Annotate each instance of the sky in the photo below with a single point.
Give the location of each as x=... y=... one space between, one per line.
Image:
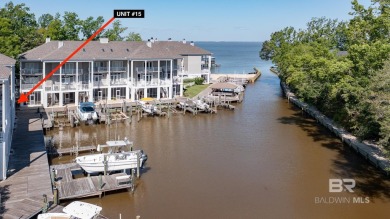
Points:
x=203 y=20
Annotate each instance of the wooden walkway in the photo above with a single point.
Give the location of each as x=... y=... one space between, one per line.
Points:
x=71 y=188
x=72 y=150
x=28 y=175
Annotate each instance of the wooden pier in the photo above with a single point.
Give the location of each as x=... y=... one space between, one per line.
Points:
x=73 y=150
x=69 y=187
x=28 y=169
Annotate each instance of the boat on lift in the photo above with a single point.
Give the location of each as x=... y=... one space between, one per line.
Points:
x=117 y=158
x=87 y=113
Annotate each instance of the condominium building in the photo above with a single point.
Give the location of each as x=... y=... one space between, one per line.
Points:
x=110 y=70
x=7 y=107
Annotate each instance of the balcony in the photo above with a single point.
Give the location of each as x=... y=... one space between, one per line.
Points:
x=57 y=86
x=102 y=82
x=29 y=86
x=118 y=69
x=151 y=83
x=72 y=71
x=118 y=81
x=100 y=69
x=141 y=70
x=31 y=71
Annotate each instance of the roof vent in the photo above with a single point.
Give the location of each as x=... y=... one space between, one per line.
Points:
x=127 y=50
x=149 y=44
x=103 y=50
x=169 y=39
x=103 y=40
x=83 y=49
x=184 y=41
x=60 y=44
x=47 y=39
x=192 y=43
x=152 y=39
x=112 y=50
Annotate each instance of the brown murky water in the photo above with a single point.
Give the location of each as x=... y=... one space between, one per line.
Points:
x=264 y=160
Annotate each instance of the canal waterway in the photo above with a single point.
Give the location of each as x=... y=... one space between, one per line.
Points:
x=266 y=159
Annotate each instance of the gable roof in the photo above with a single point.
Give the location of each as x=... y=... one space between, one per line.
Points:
x=95 y=50
x=5 y=63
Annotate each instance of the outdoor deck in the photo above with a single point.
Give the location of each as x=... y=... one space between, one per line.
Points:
x=28 y=175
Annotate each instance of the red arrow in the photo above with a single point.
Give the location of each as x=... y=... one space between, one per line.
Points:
x=24 y=97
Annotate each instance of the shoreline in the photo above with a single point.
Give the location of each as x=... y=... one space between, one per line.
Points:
x=370 y=152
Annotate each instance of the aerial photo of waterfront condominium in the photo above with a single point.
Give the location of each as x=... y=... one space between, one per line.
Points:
x=111 y=70
x=7 y=107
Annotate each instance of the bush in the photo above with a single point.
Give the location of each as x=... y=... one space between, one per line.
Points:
x=188 y=80
x=199 y=80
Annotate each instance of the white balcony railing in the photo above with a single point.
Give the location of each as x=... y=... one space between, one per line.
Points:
x=66 y=87
x=118 y=69
x=29 y=86
x=151 y=83
x=141 y=70
x=100 y=69
x=31 y=71
x=72 y=71
x=119 y=81
x=102 y=82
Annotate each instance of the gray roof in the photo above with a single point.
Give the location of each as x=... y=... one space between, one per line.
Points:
x=95 y=50
x=223 y=85
x=5 y=62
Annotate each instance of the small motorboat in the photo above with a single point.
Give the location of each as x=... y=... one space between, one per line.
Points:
x=201 y=105
x=114 y=160
x=76 y=209
x=147 y=107
x=86 y=112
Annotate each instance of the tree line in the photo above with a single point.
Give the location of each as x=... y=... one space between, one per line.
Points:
x=341 y=67
x=20 y=31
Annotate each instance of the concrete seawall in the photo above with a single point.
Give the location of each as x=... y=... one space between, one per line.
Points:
x=371 y=152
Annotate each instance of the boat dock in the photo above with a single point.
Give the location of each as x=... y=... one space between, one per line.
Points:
x=68 y=186
x=75 y=150
x=28 y=169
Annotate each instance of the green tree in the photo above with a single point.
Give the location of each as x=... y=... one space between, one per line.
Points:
x=114 y=33
x=9 y=42
x=351 y=88
x=44 y=20
x=72 y=26
x=23 y=24
x=132 y=36
x=55 y=30
x=89 y=26
x=378 y=98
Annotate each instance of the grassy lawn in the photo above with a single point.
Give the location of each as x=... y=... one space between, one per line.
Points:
x=194 y=90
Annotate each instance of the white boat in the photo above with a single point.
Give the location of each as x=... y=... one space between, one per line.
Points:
x=86 y=112
x=147 y=107
x=201 y=105
x=114 y=160
x=76 y=209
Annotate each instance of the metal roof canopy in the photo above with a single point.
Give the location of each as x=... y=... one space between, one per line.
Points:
x=223 y=85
